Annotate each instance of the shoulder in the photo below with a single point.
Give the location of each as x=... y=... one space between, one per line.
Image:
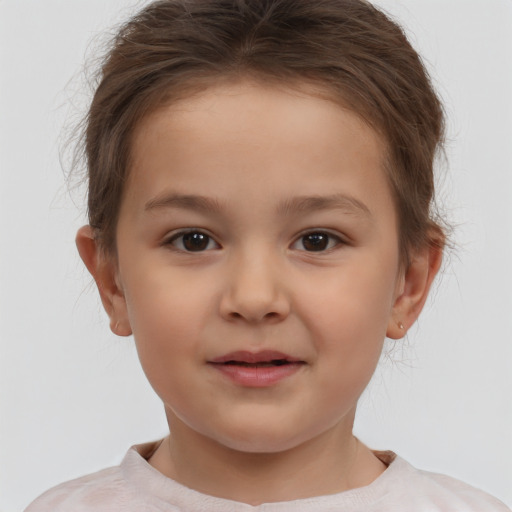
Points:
x=98 y=491
x=467 y=497
x=437 y=492
x=124 y=487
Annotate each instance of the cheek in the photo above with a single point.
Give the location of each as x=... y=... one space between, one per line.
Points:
x=162 y=296
x=354 y=304
x=348 y=316
x=167 y=318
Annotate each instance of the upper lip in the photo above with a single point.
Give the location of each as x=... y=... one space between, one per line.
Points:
x=263 y=356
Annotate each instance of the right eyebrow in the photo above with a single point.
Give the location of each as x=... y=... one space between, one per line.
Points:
x=183 y=201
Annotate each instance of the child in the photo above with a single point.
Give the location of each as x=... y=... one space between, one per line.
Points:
x=260 y=219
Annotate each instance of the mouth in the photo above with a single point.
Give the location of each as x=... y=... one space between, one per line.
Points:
x=263 y=364
x=266 y=358
x=257 y=370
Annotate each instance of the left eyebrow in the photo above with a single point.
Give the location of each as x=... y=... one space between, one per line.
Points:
x=348 y=204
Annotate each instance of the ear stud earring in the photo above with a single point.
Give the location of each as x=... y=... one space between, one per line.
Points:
x=400 y=326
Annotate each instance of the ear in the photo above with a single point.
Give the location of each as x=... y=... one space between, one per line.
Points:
x=413 y=288
x=103 y=269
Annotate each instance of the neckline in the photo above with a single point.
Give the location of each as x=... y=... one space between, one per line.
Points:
x=159 y=489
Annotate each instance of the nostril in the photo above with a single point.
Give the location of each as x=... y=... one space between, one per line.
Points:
x=252 y=305
x=268 y=316
x=250 y=316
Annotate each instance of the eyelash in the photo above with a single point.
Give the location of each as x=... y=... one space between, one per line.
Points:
x=178 y=240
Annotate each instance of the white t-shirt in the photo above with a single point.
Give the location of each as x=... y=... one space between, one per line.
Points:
x=135 y=486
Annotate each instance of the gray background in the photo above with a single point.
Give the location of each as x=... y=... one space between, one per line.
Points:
x=72 y=396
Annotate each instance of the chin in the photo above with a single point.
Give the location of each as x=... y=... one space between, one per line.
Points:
x=263 y=440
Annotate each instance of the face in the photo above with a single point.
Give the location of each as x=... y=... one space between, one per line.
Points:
x=258 y=263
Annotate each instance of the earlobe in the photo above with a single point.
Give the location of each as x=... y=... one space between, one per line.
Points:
x=103 y=269
x=414 y=289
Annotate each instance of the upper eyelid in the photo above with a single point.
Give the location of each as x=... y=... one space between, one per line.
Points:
x=332 y=233
x=176 y=233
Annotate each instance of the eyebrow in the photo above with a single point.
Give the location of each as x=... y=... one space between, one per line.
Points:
x=184 y=201
x=295 y=205
x=348 y=204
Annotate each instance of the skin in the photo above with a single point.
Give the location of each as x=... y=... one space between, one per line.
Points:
x=253 y=153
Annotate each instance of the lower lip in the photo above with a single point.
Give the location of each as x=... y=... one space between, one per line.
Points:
x=258 y=376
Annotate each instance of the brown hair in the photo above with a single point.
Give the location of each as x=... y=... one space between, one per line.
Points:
x=174 y=48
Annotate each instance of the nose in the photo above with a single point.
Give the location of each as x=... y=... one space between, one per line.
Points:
x=255 y=291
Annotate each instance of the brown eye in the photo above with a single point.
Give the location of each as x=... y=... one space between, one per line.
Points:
x=316 y=242
x=193 y=241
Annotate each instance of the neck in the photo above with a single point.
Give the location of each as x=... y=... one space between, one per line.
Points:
x=331 y=463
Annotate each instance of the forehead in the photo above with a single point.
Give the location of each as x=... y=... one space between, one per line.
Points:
x=246 y=139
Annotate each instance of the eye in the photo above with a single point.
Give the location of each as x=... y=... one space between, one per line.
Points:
x=192 y=241
x=316 y=241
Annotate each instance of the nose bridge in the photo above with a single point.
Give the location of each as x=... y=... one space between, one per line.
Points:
x=255 y=289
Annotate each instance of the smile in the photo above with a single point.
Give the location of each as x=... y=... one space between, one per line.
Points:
x=257 y=370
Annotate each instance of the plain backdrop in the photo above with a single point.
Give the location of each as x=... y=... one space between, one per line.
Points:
x=73 y=397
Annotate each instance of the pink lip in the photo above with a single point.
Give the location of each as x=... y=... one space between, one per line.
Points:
x=274 y=366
